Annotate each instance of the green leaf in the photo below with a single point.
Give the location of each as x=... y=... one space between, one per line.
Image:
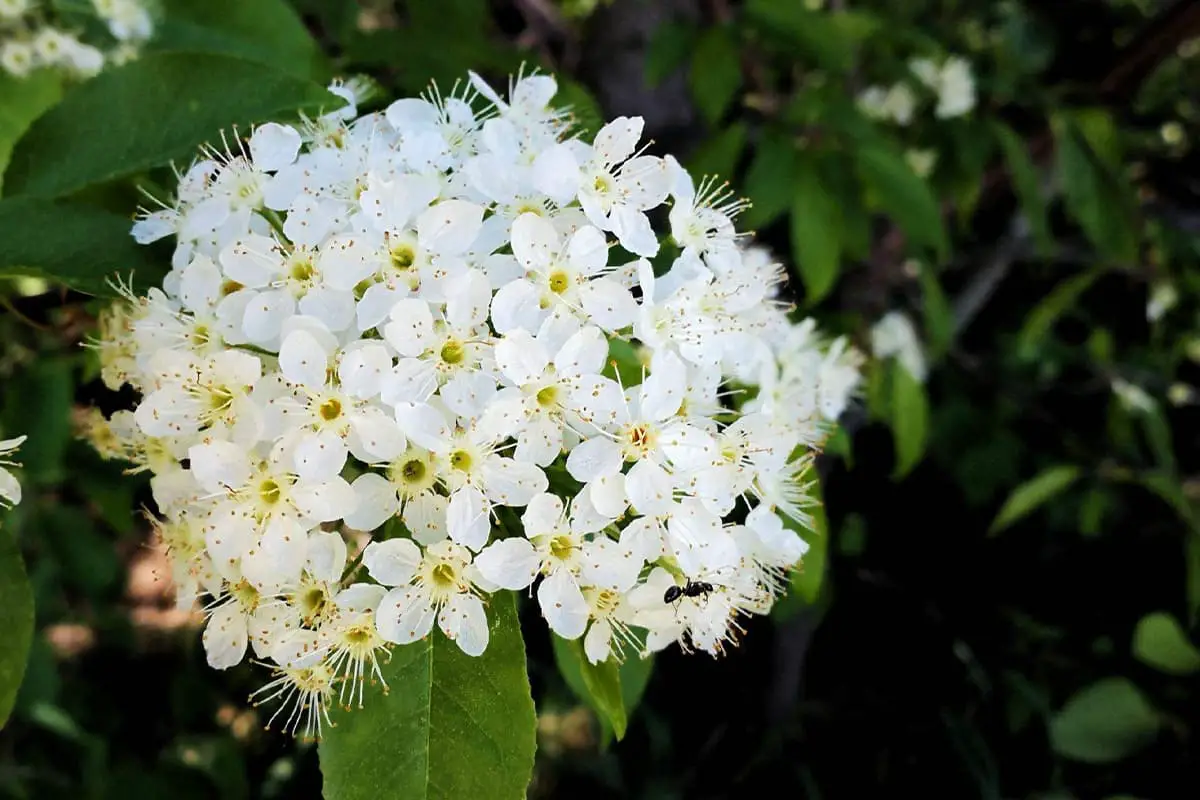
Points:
x=1028 y=185
x=1160 y=642
x=904 y=197
x=910 y=419
x=585 y=111
x=16 y=620
x=815 y=243
x=451 y=726
x=769 y=179
x=148 y=112
x=939 y=318
x=268 y=31
x=808 y=579
x=88 y=245
x=598 y=685
x=39 y=404
x=829 y=38
x=1041 y=319
x=668 y=51
x=1033 y=493
x=716 y=73
x=22 y=100
x=1104 y=722
x=719 y=155
x=1097 y=197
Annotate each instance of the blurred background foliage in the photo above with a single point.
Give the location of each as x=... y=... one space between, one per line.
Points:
x=1005 y=599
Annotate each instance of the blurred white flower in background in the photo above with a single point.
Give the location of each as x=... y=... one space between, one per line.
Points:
x=895 y=337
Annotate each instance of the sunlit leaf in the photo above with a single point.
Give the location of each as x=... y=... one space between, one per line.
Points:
x=1033 y=493
x=1158 y=640
x=1105 y=722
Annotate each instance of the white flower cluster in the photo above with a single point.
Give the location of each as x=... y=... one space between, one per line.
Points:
x=951 y=82
x=404 y=322
x=30 y=39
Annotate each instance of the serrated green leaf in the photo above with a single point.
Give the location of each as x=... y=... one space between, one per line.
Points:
x=451 y=726
x=816 y=246
x=769 y=179
x=1033 y=493
x=1028 y=185
x=22 y=100
x=87 y=247
x=268 y=31
x=600 y=683
x=149 y=112
x=910 y=419
x=1041 y=319
x=16 y=620
x=1104 y=722
x=1158 y=640
x=904 y=197
x=716 y=72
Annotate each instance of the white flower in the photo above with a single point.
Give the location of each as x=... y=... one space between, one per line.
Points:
x=894 y=336
x=953 y=83
x=10 y=488
x=438 y=582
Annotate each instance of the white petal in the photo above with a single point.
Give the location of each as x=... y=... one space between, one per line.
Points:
x=539 y=443
x=650 y=488
x=362 y=370
x=359 y=598
x=393 y=562
x=563 y=605
x=521 y=357
x=542 y=514
x=326 y=555
x=534 y=241
x=633 y=230
x=663 y=391
x=375 y=437
x=467 y=520
x=450 y=227
x=265 y=316
x=509 y=563
x=464 y=622
x=617 y=140
x=582 y=354
x=594 y=458
x=468 y=394
x=411 y=328
x=608 y=303
x=515 y=306
x=556 y=173
x=376 y=502
x=319 y=457
x=273 y=146
x=333 y=307
x=468 y=298
x=405 y=615
x=325 y=502
x=412 y=380
x=218 y=465
x=346 y=260
x=425 y=517
x=279 y=556
x=596 y=643
x=610 y=565
x=423 y=424
x=512 y=483
x=608 y=495
x=225 y=637
x=10 y=487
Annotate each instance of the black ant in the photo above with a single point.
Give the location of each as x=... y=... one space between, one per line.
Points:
x=690 y=589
